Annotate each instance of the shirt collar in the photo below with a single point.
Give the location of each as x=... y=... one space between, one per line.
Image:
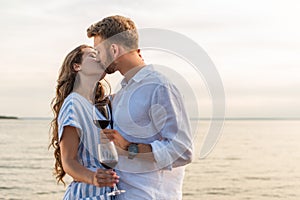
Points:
x=140 y=75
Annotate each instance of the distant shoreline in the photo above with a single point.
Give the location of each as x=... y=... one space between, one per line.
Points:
x=247 y=118
x=8 y=117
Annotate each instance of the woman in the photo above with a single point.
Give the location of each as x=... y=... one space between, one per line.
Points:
x=74 y=137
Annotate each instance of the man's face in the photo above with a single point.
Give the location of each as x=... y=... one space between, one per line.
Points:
x=104 y=55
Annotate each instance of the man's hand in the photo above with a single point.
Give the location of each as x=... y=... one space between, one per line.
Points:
x=117 y=138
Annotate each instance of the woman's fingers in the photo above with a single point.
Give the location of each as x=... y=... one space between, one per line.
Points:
x=106 y=177
x=109 y=173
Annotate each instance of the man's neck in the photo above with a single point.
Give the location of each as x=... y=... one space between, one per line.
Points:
x=129 y=74
x=130 y=65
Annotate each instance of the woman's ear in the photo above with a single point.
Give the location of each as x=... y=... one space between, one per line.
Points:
x=76 y=67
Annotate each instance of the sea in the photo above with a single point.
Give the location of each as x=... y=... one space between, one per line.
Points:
x=253 y=159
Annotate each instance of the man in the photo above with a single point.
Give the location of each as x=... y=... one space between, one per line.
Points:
x=151 y=127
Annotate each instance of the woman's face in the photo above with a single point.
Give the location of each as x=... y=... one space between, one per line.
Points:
x=89 y=65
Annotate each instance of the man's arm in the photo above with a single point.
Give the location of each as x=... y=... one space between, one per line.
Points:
x=175 y=147
x=171 y=121
x=144 y=150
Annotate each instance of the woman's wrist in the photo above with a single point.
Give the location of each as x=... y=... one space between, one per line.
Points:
x=93 y=179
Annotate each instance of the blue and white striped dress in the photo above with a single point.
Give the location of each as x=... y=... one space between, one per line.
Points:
x=77 y=111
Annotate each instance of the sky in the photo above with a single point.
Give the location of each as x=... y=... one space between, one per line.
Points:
x=255 y=46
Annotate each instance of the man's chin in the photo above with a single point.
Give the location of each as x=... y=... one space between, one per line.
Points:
x=110 y=70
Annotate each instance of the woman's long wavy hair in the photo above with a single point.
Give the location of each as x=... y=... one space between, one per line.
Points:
x=65 y=83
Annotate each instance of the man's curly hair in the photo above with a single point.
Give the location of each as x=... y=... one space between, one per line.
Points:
x=122 y=28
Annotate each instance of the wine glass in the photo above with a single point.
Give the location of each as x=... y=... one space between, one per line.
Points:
x=101 y=120
x=108 y=157
x=107 y=151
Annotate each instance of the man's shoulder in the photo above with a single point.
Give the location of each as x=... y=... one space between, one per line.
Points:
x=155 y=75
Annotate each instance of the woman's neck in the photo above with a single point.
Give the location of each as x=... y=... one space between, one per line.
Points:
x=85 y=86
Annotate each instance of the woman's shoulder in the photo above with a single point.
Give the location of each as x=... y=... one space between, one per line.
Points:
x=71 y=102
x=73 y=96
x=76 y=98
x=72 y=106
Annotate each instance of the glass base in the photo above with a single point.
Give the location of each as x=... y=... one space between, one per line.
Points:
x=115 y=192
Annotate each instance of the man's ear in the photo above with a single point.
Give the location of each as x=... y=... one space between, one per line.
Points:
x=76 y=67
x=140 y=55
x=115 y=50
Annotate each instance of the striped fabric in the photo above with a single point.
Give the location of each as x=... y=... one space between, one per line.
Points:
x=77 y=111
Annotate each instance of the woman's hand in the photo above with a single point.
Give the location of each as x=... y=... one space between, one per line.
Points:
x=105 y=177
x=69 y=145
x=116 y=137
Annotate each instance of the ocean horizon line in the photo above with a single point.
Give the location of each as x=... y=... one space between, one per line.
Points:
x=192 y=118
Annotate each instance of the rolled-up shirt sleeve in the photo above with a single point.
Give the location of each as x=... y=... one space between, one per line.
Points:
x=172 y=123
x=69 y=115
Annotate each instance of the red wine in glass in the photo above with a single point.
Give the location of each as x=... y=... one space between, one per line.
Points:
x=101 y=123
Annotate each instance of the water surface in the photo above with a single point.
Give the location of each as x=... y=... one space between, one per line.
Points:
x=254 y=159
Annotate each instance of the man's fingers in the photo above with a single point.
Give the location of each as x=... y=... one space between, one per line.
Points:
x=109 y=133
